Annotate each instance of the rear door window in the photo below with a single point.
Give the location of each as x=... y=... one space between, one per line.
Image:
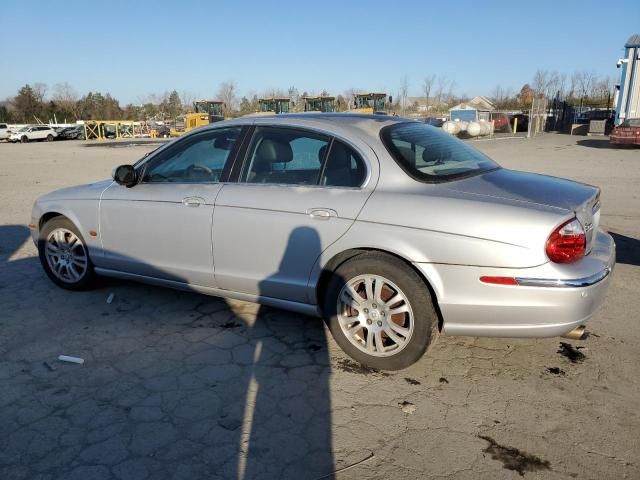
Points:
x=285 y=156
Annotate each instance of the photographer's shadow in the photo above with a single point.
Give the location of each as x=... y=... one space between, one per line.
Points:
x=286 y=424
x=254 y=399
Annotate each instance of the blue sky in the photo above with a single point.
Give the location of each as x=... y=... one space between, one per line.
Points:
x=132 y=49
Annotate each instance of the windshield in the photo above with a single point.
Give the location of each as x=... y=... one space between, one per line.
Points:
x=24 y=129
x=430 y=155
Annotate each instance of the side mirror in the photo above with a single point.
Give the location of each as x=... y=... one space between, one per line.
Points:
x=125 y=175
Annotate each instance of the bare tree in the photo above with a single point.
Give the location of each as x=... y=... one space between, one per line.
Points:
x=40 y=90
x=427 y=86
x=562 y=85
x=403 y=93
x=540 y=82
x=297 y=104
x=275 y=92
x=552 y=86
x=227 y=94
x=583 y=82
x=601 y=89
x=348 y=96
x=66 y=97
x=444 y=89
x=188 y=99
x=503 y=98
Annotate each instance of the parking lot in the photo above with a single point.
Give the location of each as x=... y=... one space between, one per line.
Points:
x=180 y=385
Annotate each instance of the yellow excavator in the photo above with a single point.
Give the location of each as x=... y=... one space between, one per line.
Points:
x=320 y=104
x=369 y=103
x=273 y=105
x=205 y=112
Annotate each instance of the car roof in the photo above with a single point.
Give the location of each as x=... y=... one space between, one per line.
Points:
x=345 y=123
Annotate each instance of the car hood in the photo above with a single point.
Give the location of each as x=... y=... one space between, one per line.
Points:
x=89 y=191
x=526 y=187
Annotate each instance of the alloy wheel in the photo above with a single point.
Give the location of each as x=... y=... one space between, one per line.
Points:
x=375 y=315
x=66 y=255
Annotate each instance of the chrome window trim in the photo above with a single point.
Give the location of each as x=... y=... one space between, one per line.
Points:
x=565 y=283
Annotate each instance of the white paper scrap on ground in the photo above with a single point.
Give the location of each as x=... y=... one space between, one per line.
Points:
x=110 y=298
x=66 y=358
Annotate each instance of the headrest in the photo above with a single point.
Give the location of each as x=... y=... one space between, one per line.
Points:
x=408 y=154
x=223 y=143
x=274 y=151
x=321 y=153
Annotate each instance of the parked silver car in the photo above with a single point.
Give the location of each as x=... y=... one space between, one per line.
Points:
x=390 y=229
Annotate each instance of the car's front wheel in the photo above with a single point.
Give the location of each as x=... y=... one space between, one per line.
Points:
x=24 y=139
x=64 y=255
x=49 y=138
x=380 y=311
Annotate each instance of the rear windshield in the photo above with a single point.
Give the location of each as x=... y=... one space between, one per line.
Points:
x=631 y=122
x=428 y=154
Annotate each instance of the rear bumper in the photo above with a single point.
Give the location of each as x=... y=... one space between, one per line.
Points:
x=634 y=140
x=549 y=300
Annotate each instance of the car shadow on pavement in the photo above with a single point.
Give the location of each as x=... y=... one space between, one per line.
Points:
x=627 y=249
x=12 y=237
x=602 y=142
x=174 y=385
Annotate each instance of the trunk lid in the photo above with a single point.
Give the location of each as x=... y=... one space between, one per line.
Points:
x=511 y=185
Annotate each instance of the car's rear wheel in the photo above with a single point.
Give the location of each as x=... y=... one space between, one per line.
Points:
x=64 y=255
x=49 y=138
x=24 y=139
x=380 y=311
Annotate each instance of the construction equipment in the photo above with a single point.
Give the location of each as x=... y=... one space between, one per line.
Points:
x=211 y=107
x=369 y=103
x=205 y=112
x=322 y=103
x=273 y=105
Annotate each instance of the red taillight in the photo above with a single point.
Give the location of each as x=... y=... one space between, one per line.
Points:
x=567 y=243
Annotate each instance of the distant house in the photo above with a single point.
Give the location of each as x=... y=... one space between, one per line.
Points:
x=478 y=108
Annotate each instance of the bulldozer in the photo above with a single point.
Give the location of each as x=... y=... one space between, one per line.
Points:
x=273 y=105
x=320 y=104
x=369 y=103
x=205 y=112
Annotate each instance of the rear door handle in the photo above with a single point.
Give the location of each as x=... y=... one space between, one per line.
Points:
x=322 y=213
x=192 y=201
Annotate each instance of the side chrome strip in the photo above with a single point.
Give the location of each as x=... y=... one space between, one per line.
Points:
x=565 y=283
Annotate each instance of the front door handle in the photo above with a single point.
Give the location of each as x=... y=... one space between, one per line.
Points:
x=192 y=201
x=322 y=213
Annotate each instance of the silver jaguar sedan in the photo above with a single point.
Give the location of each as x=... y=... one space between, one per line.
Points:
x=391 y=230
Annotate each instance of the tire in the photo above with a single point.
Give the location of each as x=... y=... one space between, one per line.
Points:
x=49 y=138
x=403 y=336
x=67 y=263
x=24 y=139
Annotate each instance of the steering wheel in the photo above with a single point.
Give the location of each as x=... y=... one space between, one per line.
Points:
x=198 y=170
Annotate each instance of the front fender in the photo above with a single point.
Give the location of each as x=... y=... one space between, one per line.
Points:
x=82 y=213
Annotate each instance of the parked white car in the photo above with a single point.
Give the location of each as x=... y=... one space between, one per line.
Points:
x=33 y=132
x=4 y=131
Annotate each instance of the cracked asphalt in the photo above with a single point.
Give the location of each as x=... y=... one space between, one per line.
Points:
x=180 y=385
